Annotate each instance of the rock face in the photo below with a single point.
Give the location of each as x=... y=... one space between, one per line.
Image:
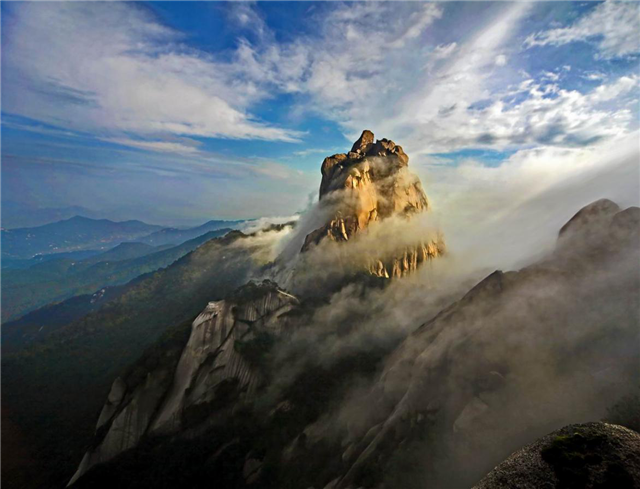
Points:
x=220 y=363
x=369 y=184
x=589 y=456
x=223 y=351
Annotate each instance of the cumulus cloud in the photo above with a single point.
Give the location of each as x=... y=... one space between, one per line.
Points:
x=611 y=26
x=113 y=69
x=117 y=69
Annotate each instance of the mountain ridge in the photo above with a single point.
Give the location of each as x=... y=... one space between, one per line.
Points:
x=398 y=411
x=58 y=280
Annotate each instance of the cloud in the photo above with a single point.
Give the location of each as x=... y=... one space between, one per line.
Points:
x=594 y=76
x=453 y=96
x=158 y=146
x=276 y=171
x=113 y=69
x=548 y=115
x=117 y=71
x=611 y=26
x=357 y=51
x=443 y=51
x=313 y=151
x=499 y=216
x=417 y=95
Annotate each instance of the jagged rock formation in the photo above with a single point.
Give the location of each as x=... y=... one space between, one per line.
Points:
x=219 y=353
x=220 y=362
x=589 y=456
x=372 y=183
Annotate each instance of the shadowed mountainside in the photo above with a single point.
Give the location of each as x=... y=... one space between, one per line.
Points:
x=54 y=387
x=521 y=353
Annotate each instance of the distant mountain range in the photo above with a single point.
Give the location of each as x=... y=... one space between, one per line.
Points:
x=20 y=215
x=174 y=235
x=74 y=234
x=57 y=280
x=79 y=236
x=349 y=350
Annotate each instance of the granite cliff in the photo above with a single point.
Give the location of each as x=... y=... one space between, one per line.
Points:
x=218 y=366
x=519 y=355
x=265 y=389
x=367 y=185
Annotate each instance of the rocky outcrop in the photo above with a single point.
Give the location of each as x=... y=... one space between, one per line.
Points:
x=369 y=184
x=129 y=421
x=220 y=364
x=223 y=352
x=589 y=456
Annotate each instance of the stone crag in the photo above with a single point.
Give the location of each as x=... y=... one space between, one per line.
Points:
x=219 y=363
x=369 y=184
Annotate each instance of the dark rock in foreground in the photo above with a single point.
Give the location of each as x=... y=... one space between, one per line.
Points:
x=585 y=456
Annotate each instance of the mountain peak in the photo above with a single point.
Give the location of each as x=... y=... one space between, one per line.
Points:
x=370 y=184
x=366 y=147
x=365 y=139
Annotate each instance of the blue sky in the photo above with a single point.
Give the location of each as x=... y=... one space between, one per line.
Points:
x=181 y=112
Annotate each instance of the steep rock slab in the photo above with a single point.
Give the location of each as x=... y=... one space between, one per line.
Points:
x=221 y=362
x=213 y=358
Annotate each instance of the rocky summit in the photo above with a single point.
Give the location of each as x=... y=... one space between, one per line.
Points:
x=369 y=184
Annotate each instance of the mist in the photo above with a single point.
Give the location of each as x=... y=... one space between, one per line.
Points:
x=473 y=375
x=504 y=217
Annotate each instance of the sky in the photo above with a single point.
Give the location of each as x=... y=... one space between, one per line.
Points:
x=180 y=112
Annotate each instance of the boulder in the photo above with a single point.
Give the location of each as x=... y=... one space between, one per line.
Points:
x=588 y=456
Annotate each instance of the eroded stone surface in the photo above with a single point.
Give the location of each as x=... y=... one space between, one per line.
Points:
x=370 y=184
x=213 y=369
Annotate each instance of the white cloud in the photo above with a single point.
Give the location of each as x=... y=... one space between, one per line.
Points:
x=594 y=76
x=526 y=199
x=619 y=88
x=112 y=69
x=613 y=26
x=443 y=51
x=547 y=116
x=367 y=65
x=455 y=104
x=359 y=51
x=158 y=146
x=369 y=69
